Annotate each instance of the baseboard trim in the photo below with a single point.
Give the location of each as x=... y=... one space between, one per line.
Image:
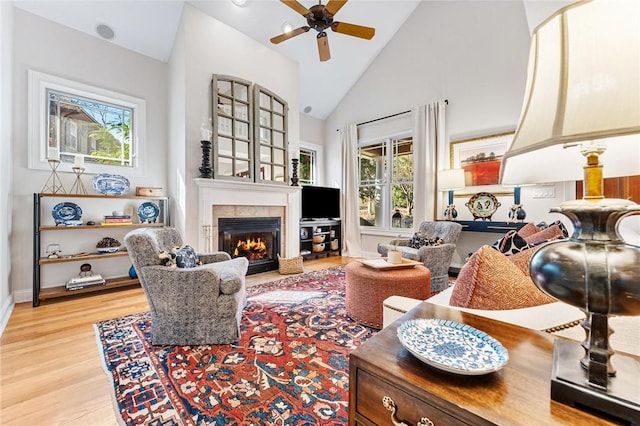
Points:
x=7 y=309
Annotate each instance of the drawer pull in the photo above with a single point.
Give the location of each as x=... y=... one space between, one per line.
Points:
x=390 y=405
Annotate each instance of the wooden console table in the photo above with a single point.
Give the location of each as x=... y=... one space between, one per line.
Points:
x=518 y=394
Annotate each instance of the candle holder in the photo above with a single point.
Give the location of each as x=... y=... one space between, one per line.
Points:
x=516 y=212
x=206 y=171
x=78 y=185
x=53 y=185
x=294 y=171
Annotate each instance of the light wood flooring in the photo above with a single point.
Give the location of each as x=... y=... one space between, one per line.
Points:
x=50 y=367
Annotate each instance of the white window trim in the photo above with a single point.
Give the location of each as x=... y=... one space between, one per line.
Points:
x=39 y=83
x=319 y=181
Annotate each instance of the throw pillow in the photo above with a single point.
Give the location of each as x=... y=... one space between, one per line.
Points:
x=528 y=229
x=489 y=280
x=182 y=257
x=511 y=243
x=418 y=240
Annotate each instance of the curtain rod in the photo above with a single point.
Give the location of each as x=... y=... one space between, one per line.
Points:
x=446 y=101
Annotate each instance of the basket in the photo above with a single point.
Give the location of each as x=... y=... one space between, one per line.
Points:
x=289 y=265
x=318 y=238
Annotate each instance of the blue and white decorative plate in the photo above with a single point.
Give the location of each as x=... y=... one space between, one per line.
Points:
x=108 y=184
x=148 y=212
x=63 y=212
x=453 y=347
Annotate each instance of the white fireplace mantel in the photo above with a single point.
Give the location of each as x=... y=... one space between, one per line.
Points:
x=216 y=192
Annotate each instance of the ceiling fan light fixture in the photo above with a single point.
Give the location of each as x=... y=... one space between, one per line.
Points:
x=239 y=3
x=286 y=27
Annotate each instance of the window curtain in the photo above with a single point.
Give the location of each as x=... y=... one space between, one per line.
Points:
x=429 y=136
x=351 y=245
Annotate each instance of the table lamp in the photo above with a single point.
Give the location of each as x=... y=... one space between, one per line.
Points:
x=450 y=180
x=583 y=97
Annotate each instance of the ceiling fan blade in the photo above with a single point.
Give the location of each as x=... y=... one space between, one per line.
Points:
x=334 y=6
x=353 y=30
x=286 y=36
x=293 y=4
x=323 y=47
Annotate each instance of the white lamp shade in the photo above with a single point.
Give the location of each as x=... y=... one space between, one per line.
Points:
x=583 y=84
x=449 y=180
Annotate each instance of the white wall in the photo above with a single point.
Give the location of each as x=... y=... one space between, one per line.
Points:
x=211 y=47
x=312 y=136
x=6 y=126
x=51 y=48
x=472 y=53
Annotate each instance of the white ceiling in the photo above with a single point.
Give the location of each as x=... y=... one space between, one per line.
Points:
x=149 y=28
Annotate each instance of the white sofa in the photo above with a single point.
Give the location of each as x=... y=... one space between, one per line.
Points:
x=558 y=318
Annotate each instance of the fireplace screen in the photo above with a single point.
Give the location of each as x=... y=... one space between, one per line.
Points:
x=257 y=239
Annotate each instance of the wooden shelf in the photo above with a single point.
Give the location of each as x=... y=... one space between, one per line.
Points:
x=99 y=196
x=90 y=256
x=128 y=225
x=61 y=291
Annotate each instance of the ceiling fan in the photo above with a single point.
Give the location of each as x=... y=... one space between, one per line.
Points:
x=320 y=17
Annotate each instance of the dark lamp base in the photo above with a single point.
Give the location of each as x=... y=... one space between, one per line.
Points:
x=620 y=401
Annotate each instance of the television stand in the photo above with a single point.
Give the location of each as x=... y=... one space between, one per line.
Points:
x=320 y=237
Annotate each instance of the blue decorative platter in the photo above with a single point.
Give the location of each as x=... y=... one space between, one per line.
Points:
x=148 y=212
x=108 y=184
x=453 y=347
x=63 y=212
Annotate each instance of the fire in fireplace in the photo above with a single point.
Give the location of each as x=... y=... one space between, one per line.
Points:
x=256 y=238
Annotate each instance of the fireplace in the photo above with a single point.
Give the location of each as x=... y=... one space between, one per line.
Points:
x=256 y=238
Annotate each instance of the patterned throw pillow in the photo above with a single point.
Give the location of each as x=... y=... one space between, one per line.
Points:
x=511 y=243
x=418 y=240
x=489 y=280
x=184 y=257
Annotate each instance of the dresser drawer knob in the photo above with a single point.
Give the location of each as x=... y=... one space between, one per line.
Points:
x=390 y=405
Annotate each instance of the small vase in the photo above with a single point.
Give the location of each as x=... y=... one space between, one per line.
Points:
x=394 y=257
x=132 y=273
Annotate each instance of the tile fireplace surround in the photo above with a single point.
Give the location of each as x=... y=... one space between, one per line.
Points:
x=220 y=198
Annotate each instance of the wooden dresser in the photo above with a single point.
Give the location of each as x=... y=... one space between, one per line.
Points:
x=518 y=394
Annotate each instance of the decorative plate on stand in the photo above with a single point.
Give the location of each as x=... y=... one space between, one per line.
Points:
x=63 y=212
x=148 y=212
x=483 y=205
x=108 y=184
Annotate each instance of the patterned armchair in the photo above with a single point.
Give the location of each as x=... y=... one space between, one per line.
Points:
x=436 y=258
x=189 y=306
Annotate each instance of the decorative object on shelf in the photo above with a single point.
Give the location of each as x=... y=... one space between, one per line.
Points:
x=450 y=180
x=516 y=212
x=567 y=112
x=294 y=171
x=317 y=248
x=53 y=185
x=64 y=212
x=452 y=347
x=148 y=212
x=108 y=245
x=53 y=251
x=304 y=233
x=78 y=185
x=86 y=278
x=108 y=184
x=206 y=171
x=319 y=238
x=482 y=205
x=206 y=130
x=133 y=274
x=148 y=191
x=335 y=244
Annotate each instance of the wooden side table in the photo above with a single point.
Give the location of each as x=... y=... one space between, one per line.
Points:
x=518 y=394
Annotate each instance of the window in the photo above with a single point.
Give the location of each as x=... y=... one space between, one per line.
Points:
x=308 y=164
x=69 y=119
x=386 y=183
x=249 y=132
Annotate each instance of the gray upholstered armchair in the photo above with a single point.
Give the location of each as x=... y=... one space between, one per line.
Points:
x=436 y=258
x=189 y=306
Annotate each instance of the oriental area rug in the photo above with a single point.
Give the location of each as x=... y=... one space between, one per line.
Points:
x=290 y=367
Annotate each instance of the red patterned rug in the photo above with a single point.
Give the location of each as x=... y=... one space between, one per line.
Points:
x=291 y=366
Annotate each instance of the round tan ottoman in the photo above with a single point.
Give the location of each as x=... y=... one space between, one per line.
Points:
x=367 y=288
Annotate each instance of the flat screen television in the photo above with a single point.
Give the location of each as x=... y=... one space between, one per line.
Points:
x=320 y=203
